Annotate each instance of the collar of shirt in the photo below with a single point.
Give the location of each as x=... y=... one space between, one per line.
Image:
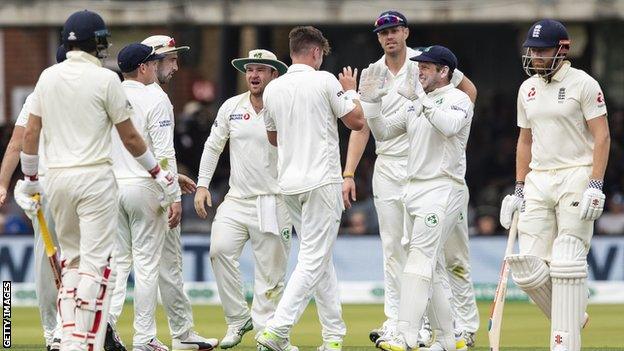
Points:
x=77 y=55
x=561 y=72
x=133 y=83
x=441 y=90
x=299 y=67
x=409 y=53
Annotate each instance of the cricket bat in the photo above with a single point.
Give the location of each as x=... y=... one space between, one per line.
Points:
x=50 y=249
x=496 y=310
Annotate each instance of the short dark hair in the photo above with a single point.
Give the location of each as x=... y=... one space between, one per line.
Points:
x=304 y=38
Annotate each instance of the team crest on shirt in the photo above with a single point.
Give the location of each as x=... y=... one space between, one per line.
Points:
x=439 y=101
x=600 y=99
x=286 y=234
x=431 y=220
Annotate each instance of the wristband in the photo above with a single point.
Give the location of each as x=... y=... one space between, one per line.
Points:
x=147 y=161
x=519 y=190
x=30 y=165
x=348 y=175
x=352 y=95
x=595 y=184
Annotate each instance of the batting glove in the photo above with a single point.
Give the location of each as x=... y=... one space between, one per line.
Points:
x=166 y=180
x=24 y=199
x=372 y=83
x=411 y=88
x=592 y=203
x=511 y=203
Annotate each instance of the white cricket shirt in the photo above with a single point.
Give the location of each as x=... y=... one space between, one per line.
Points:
x=253 y=160
x=79 y=101
x=392 y=102
x=152 y=118
x=22 y=121
x=303 y=106
x=437 y=145
x=557 y=114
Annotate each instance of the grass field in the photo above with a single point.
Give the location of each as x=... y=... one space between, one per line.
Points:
x=523 y=328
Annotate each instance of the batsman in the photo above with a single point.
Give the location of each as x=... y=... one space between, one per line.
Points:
x=562 y=153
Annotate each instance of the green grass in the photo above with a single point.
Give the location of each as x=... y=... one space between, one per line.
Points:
x=524 y=328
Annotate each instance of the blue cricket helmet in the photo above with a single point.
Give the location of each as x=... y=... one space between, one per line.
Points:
x=544 y=34
x=86 y=30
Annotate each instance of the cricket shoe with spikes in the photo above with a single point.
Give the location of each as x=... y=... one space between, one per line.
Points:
x=152 y=345
x=376 y=333
x=330 y=346
x=55 y=345
x=112 y=341
x=392 y=341
x=469 y=338
x=426 y=336
x=193 y=341
x=273 y=342
x=234 y=334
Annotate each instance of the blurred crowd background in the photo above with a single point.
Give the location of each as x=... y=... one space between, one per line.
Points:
x=485 y=35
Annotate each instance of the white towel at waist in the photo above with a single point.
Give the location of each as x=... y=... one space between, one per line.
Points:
x=267 y=214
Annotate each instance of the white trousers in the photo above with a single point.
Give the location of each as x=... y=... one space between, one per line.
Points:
x=235 y=223
x=44 y=279
x=389 y=180
x=316 y=215
x=434 y=208
x=457 y=260
x=83 y=203
x=140 y=239
x=552 y=209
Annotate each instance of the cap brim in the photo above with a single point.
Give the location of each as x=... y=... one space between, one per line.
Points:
x=168 y=50
x=424 y=58
x=388 y=25
x=240 y=63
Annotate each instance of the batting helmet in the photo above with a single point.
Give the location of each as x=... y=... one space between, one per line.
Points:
x=546 y=33
x=87 y=31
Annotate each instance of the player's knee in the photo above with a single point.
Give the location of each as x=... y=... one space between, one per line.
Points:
x=420 y=264
x=569 y=259
x=528 y=271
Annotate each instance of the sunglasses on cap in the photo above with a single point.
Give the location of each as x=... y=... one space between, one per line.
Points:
x=388 y=19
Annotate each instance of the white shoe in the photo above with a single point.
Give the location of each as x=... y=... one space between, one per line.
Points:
x=193 y=341
x=234 y=335
x=392 y=341
x=273 y=342
x=152 y=345
x=330 y=346
x=426 y=336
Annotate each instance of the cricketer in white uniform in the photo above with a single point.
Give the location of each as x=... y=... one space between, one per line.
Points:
x=389 y=181
x=75 y=104
x=46 y=297
x=171 y=281
x=302 y=108
x=253 y=210
x=142 y=211
x=562 y=154
x=437 y=126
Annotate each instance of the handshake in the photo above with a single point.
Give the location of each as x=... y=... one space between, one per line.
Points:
x=373 y=84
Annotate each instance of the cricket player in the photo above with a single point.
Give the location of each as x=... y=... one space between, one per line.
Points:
x=253 y=209
x=142 y=213
x=46 y=297
x=562 y=154
x=301 y=112
x=75 y=104
x=171 y=282
x=389 y=181
x=437 y=123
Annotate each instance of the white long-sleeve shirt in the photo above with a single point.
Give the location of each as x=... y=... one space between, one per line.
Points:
x=392 y=102
x=153 y=119
x=253 y=159
x=437 y=137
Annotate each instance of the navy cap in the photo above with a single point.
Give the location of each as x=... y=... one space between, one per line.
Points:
x=61 y=54
x=547 y=33
x=131 y=56
x=83 y=25
x=437 y=54
x=389 y=19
